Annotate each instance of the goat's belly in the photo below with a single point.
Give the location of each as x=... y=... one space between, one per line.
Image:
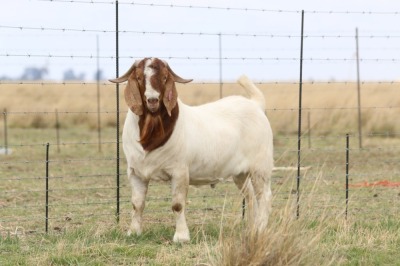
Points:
x=199 y=181
x=218 y=168
x=215 y=172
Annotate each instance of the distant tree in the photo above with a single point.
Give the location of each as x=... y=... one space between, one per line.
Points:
x=5 y=78
x=98 y=75
x=70 y=75
x=34 y=73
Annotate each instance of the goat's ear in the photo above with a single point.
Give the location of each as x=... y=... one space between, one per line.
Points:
x=133 y=98
x=170 y=94
x=175 y=76
x=132 y=94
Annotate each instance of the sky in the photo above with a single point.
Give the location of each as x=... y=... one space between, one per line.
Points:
x=262 y=41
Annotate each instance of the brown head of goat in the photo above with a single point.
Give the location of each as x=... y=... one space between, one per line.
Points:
x=151 y=94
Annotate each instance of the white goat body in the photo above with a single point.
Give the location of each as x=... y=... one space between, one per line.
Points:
x=231 y=137
x=215 y=141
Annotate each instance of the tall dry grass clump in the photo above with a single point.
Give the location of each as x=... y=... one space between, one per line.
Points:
x=286 y=241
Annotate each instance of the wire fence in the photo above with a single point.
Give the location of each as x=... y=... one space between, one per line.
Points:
x=61 y=168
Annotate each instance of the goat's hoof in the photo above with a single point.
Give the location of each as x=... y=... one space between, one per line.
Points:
x=138 y=233
x=181 y=238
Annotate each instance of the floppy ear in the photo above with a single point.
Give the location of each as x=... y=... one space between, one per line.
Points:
x=132 y=94
x=170 y=94
x=133 y=97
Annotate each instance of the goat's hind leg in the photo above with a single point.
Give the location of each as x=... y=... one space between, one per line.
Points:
x=262 y=188
x=139 y=191
x=244 y=184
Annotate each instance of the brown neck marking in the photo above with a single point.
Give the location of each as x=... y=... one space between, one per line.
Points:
x=157 y=128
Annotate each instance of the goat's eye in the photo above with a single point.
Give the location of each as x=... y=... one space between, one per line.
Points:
x=165 y=79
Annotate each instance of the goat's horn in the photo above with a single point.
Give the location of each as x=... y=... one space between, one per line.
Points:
x=125 y=76
x=176 y=77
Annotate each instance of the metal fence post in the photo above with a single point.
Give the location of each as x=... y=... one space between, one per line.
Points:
x=5 y=132
x=117 y=101
x=220 y=64
x=57 y=132
x=300 y=110
x=309 y=129
x=98 y=93
x=47 y=188
x=358 y=94
x=347 y=173
x=243 y=207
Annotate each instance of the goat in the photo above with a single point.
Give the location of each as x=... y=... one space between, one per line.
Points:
x=165 y=139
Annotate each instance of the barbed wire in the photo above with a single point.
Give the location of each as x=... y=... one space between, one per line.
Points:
x=51 y=83
x=57 y=177
x=29 y=145
x=325 y=212
x=305 y=151
x=309 y=59
x=352 y=135
x=294 y=109
x=330 y=137
x=91 y=83
x=58 y=112
x=134 y=3
x=87 y=159
x=282 y=198
x=354 y=201
x=181 y=33
x=63 y=189
x=332 y=108
x=374 y=176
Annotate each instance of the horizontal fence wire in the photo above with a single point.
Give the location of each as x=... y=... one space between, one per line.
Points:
x=225 y=58
x=277 y=138
x=293 y=109
x=91 y=83
x=245 y=9
x=252 y=35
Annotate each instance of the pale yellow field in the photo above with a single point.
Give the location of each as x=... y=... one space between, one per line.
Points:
x=332 y=108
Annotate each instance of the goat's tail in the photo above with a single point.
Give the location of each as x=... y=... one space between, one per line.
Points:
x=253 y=91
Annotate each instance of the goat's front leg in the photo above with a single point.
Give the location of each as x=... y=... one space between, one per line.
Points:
x=139 y=191
x=180 y=187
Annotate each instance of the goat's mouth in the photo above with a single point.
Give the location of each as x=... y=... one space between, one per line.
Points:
x=153 y=107
x=153 y=104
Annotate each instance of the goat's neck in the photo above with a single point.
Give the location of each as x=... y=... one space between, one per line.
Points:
x=156 y=128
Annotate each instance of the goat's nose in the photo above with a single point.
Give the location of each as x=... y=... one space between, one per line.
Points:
x=152 y=100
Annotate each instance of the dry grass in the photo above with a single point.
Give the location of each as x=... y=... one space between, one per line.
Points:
x=286 y=241
x=332 y=107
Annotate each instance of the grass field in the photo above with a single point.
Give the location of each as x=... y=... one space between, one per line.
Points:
x=82 y=227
